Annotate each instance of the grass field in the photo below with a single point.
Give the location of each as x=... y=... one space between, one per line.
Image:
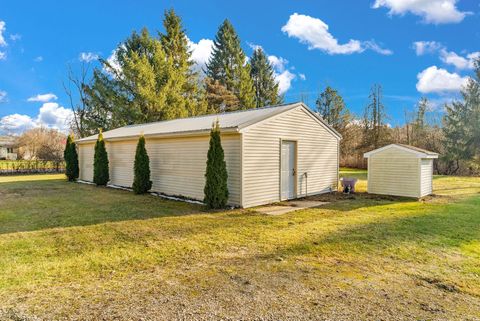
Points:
x=75 y=251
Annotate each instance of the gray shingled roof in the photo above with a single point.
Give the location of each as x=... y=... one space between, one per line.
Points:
x=230 y=121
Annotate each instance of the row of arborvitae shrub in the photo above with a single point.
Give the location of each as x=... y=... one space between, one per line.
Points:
x=216 y=190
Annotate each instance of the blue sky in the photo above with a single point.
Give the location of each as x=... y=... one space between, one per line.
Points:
x=412 y=48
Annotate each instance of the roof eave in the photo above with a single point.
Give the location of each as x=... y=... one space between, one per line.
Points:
x=245 y=125
x=417 y=153
x=203 y=132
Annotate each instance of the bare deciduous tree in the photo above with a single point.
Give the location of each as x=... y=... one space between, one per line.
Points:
x=41 y=144
x=75 y=89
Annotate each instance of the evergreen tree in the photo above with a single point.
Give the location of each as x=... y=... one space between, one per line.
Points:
x=461 y=127
x=146 y=79
x=263 y=76
x=100 y=162
x=332 y=109
x=219 y=98
x=216 y=190
x=228 y=66
x=141 y=180
x=175 y=44
x=71 y=159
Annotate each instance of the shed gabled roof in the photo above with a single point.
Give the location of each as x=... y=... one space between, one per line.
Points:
x=419 y=152
x=229 y=122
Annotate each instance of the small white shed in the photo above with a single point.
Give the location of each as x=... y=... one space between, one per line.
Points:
x=272 y=154
x=400 y=170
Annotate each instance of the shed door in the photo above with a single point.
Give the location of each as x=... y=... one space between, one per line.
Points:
x=288 y=170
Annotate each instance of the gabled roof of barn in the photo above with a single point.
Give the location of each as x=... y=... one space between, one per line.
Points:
x=235 y=121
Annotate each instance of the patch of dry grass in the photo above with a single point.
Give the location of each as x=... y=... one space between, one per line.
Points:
x=86 y=253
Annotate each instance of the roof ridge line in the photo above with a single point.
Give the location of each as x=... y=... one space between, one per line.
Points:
x=217 y=114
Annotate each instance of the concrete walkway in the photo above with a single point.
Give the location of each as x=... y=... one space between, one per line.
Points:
x=288 y=207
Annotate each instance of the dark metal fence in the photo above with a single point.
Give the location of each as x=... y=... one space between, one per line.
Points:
x=9 y=167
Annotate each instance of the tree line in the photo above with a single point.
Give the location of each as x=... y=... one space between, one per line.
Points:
x=455 y=136
x=152 y=78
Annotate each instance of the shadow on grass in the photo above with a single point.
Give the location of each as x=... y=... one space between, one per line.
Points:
x=37 y=205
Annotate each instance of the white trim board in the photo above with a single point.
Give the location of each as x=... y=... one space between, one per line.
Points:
x=417 y=153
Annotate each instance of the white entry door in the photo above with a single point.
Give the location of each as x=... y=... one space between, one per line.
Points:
x=288 y=170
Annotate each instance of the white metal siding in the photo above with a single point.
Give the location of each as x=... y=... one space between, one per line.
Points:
x=317 y=155
x=85 y=161
x=394 y=172
x=121 y=158
x=178 y=165
x=426 y=177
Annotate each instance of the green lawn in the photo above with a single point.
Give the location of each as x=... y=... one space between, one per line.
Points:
x=75 y=251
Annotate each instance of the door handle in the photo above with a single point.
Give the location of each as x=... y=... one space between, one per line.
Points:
x=293 y=172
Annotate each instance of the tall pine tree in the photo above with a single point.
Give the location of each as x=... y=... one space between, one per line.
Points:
x=216 y=189
x=175 y=44
x=100 y=162
x=141 y=169
x=229 y=67
x=70 y=156
x=263 y=76
x=331 y=107
x=146 y=79
x=461 y=127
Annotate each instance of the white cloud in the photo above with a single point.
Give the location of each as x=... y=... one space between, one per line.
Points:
x=302 y=76
x=448 y=57
x=43 y=98
x=3 y=96
x=51 y=115
x=372 y=45
x=278 y=63
x=114 y=64
x=314 y=32
x=15 y=37
x=16 y=124
x=3 y=43
x=87 y=56
x=283 y=76
x=254 y=46
x=38 y=59
x=424 y=47
x=438 y=80
x=451 y=58
x=284 y=80
x=201 y=52
x=432 y=11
